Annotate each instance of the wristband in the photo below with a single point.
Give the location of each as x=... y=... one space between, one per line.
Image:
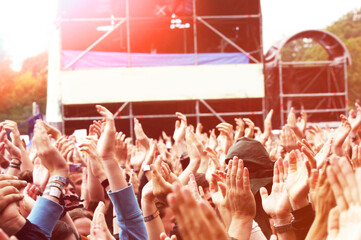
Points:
x=53 y=192
x=55 y=184
x=17 y=161
x=151 y=217
x=283 y=228
x=14 y=165
x=146 y=168
x=105 y=183
x=58 y=179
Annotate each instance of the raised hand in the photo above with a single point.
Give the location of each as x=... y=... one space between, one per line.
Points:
x=196 y=220
x=138 y=156
x=277 y=204
x=344 y=221
x=356 y=122
x=302 y=122
x=106 y=142
x=164 y=236
x=344 y=224
x=99 y=229
x=356 y=157
x=297 y=181
x=95 y=129
x=49 y=155
x=121 y=149
x=240 y=200
x=292 y=123
x=249 y=132
x=13 y=127
x=52 y=131
x=140 y=135
x=307 y=150
x=323 y=201
x=65 y=147
x=288 y=139
x=161 y=188
x=239 y=128
x=324 y=153
x=268 y=125
x=212 y=141
x=13 y=150
x=193 y=187
x=28 y=202
x=9 y=190
x=134 y=180
x=213 y=164
x=316 y=134
x=180 y=128
x=89 y=145
x=225 y=138
x=40 y=174
x=340 y=136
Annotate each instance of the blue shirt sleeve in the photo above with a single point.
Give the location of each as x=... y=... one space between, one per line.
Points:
x=45 y=214
x=129 y=216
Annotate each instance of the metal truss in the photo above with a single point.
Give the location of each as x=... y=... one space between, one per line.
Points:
x=331 y=79
x=196 y=19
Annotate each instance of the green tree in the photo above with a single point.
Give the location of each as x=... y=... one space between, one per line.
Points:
x=18 y=90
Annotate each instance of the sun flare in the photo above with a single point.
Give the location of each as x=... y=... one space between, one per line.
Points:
x=25 y=27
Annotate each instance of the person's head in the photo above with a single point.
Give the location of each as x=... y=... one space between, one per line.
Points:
x=82 y=220
x=76 y=178
x=167 y=216
x=62 y=231
x=70 y=188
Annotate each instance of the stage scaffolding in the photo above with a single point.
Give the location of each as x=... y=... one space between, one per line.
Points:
x=318 y=88
x=255 y=56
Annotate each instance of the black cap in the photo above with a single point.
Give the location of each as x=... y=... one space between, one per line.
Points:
x=256 y=159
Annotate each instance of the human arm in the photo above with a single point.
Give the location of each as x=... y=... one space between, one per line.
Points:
x=129 y=216
x=241 y=202
x=194 y=156
x=47 y=209
x=154 y=226
x=15 y=137
x=98 y=228
x=340 y=136
x=180 y=133
x=277 y=204
x=323 y=201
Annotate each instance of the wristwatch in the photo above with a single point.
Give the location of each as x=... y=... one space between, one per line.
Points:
x=283 y=228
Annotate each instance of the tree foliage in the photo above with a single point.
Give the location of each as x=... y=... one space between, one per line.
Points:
x=348 y=29
x=18 y=90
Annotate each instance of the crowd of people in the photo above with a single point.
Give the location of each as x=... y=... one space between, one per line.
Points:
x=235 y=182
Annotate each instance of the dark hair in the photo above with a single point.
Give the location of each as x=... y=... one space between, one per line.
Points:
x=201 y=180
x=26 y=175
x=80 y=213
x=62 y=230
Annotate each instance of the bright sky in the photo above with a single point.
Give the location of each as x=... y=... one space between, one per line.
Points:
x=283 y=18
x=25 y=24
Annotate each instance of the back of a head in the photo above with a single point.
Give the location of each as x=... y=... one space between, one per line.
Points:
x=62 y=231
